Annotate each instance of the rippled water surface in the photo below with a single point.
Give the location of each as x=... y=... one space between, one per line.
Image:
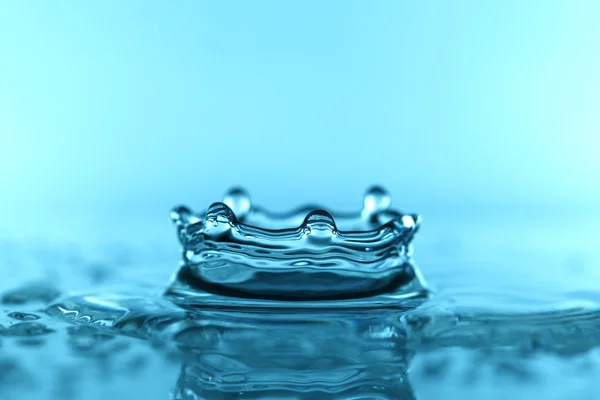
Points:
x=514 y=315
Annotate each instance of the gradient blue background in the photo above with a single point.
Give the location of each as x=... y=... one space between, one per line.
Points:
x=133 y=106
x=481 y=115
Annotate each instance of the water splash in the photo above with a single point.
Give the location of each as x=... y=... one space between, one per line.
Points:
x=242 y=251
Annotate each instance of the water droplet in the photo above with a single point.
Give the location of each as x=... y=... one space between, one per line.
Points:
x=317 y=222
x=23 y=316
x=220 y=213
x=181 y=215
x=26 y=329
x=219 y=220
x=376 y=199
x=408 y=221
x=238 y=200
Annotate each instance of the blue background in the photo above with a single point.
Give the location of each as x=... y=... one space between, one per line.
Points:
x=483 y=116
x=130 y=107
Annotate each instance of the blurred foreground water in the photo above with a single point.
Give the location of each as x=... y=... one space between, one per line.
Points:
x=504 y=261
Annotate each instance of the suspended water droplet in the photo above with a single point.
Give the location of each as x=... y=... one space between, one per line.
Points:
x=408 y=221
x=238 y=200
x=181 y=215
x=219 y=220
x=220 y=213
x=376 y=199
x=319 y=222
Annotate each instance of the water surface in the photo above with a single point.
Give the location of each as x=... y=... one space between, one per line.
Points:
x=514 y=314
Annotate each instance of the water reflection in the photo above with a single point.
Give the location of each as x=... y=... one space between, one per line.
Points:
x=300 y=353
x=294 y=355
x=474 y=338
x=259 y=353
